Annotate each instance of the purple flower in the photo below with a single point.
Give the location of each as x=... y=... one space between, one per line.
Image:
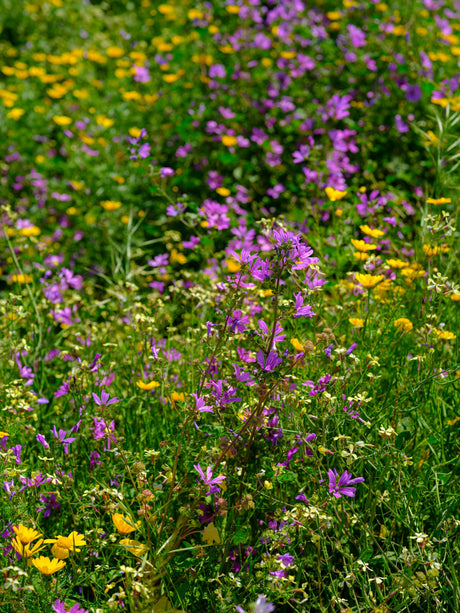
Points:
x=102 y=429
x=269 y=363
x=339 y=487
x=351 y=348
x=104 y=401
x=62 y=438
x=301 y=311
x=63 y=390
x=302 y=154
x=286 y=559
x=59 y=607
x=238 y=322
x=201 y=405
x=41 y=439
x=263 y=606
x=241 y=375
x=17 y=453
x=208 y=479
x=50 y=503
x=166 y=172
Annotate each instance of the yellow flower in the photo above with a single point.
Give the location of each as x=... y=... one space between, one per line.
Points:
x=413 y=272
x=114 y=52
x=2 y=434
x=233 y=9
x=362 y=246
x=123 y=524
x=229 y=140
x=371 y=232
x=334 y=194
x=368 y=281
x=64 y=544
x=110 y=205
x=27 y=550
x=432 y=139
x=104 y=122
x=47 y=566
x=21 y=278
x=147 y=386
x=223 y=191
x=397 y=263
x=403 y=324
x=360 y=255
x=15 y=114
x=178 y=257
x=177 y=396
x=357 y=322
x=135 y=547
x=438 y=201
x=62 y=120
x=455 y=297
x=430 y=250
x=297 y=344
x=233 y=265
x=333 y=15
x=30 y=231
x=24 y=534
x=445 y=334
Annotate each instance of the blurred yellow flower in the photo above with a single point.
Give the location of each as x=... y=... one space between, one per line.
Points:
x=334 y=194
x=233 y=265
x=110 y=205
x=403 y=324
x=62 y=120
x=368 y=281
x=297 y=344
x=397 y=263
x=30 y=231
x=21 y=278
x=175 y=396
x=114 y=51
x=371 y=232
x=438 y=201
x=15 y=114
x=147 y=386
x=229 y=140
x=445 y=334
x=357 y=322
x=362 y=246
